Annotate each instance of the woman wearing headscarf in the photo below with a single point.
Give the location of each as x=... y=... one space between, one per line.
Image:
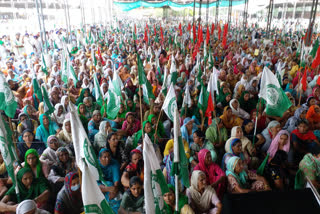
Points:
x=303 y=140
x=63 y=165
x=111 y=178
x=116 y=149
x=28 y=206
x=269 y=134
x=69 y=198
x=83 y=94
x=133 y=198
x=234 y=149
x=168 y=158
x=280 y=142
x=248 y=150
x=59 y=115
x=236 y=110
x=248 y=132
x=157 y=126
x=93 y=125
x=214 y=174
x=130 y=89
x=65 y=103
x=29 y=143
x=310 y=102
x=229 y=119
x=131 y=125
x=313 y=116
x=31 y=112
x=170 y=202
x=202 y=197
x=247 y=103
x=238 y=178
x=82 y=115
x=49 y=154
x=199 y=144
x=32 y=161
x=46 y=128
x=26 y=123
x=187 y=130
x=291 y=124
x=253 y=88
x=134 y=168
x=130 y=105
x=29 y=187
x=100 y=139
x=65 y=135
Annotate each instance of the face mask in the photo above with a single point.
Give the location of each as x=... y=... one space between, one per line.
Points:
x=75 y=188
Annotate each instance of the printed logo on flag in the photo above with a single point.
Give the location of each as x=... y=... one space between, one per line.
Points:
x=7 y=93
x=273 y=97
x=171 y=107
x=88 y=154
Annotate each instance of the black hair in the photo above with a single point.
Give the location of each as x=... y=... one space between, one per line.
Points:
x=110 y=135
x=301 y=121
x=135 y=180
x=200 y=134
x=315 y=150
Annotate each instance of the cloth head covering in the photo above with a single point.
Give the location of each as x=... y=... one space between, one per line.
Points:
x=312 y=115
x=95 y=112
x=47 y=133
x=68 y=183
x=102 y=128
x=169 y=146
x=39 y=166
x=183 y=200
x=63 y=99
x=275 y=143
x=242 y=177
x=65 y=132
x=60 y=150
x=273 y=124
x=202 y=201
x=26 y=206
x=62 y=116
x=52 y=137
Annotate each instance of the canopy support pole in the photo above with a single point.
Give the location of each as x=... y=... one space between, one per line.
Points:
x=270 y=10
x=312 y=19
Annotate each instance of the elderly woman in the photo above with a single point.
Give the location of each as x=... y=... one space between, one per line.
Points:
x=59 y=114
x=214 y=174
x=111 y=176
x=64 y=164
x=100 y=139
x=65 y=135
x=69 y=198
x=93 y=125
x=236 y=110
x=269 y=133
x=29 y=143
x=202 y=197
x=29 y=187
x=29 y=206
x=238 y=178
x=46 y=128
x=49 y=154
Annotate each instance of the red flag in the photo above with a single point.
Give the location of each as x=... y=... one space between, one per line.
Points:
x=161 y=34
x=316 y=60
x=212 y=28
x=145 y=36
x=304 y=80
x=189 y=27
x=219 y=32
x=209 y=110
x=208 y=35
x=100 y=57
x=180 y=29
x=155 y=30
x=224 y=39
x=274 y=42
x=194 y=33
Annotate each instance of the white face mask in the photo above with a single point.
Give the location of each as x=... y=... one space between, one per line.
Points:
x=75 y=188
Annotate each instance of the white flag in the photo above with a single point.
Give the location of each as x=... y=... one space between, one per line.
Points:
x=213 y=83
x=186 y=98
x=170 y=103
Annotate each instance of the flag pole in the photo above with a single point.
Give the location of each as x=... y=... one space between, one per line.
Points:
x=255 y=124
x=141 y=113
x=158 y=121
x=13 y=137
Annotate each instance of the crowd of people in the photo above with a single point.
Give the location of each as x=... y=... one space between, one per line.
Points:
x=242 y=149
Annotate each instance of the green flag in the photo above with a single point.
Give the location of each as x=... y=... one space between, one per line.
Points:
x=71 y=72
x=44 y=66
x=314 y=49
x=48 y=108
x=170 y=103
x=36 y=87
x=7 y=99
x=203 y=98
x=277 y=102
x=180 y=161
x=173 y=71
x=144 y=82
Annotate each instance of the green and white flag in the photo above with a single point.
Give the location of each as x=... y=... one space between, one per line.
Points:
x=170 y=103
x=48 y=107
x=7 y=100
x=164 y=88
x=173 y=71
x=93 y=199
x=186 y=101
x=97 y=90
x=44 y=66
x=71 y=72
x=36 y=87
x=8 y=152
x=180 y=161
x=270 y=90
x=113 y=101
x=93 y=57
x=144 y=82
x=64 y=67
x=203 y=98
x=154 y=182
